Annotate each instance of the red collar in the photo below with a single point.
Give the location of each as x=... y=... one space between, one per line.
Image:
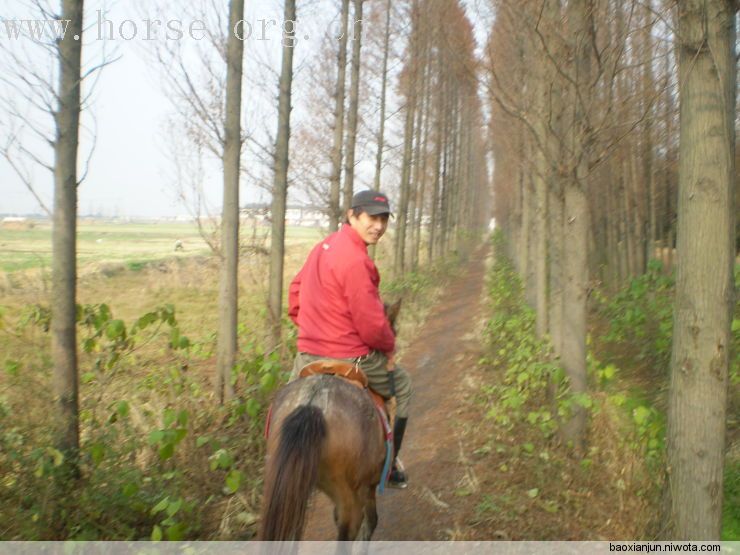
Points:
x=353 y=235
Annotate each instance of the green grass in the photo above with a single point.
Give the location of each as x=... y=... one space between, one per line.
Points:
x=124 y=399
x=731 y=505
x=98 y=243
x=128 y=243
x=134 y=268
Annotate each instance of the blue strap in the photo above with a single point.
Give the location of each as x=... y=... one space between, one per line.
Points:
x=388 y=449
x=386 y=466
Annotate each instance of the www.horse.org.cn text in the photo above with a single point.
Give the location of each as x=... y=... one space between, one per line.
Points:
x=158 y=29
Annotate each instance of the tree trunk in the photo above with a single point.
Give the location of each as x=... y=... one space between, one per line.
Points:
x=384 y=80
x=624 y=219
x=335 y=213
x=64 y=240
x=638 y=212
x=416 y=174
x=669 y=223
x=612 y=254
x=542 y=118
x=280 y=184
x=439 y=138
x=526 y=226
x=540 y=239
x=445 y=178
x=554 y=185
x=401 y=213
x=354 y=105
x=575 y=248
x=555 y=250
x=648 y=93
x=421 y=189
x=576 y=224
x=449 y=189
x=228 y=292
x=705 y=294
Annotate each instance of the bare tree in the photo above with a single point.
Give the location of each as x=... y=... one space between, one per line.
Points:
x=384 y=80
x=29 y=96
x=705 y=293
x=354 y=106
x=229 y=289
x=193 y=76
x=64 y=240
x=43 y=101
x=338 y=136
x=576 y=217
x=280 y=186
x=411 y=72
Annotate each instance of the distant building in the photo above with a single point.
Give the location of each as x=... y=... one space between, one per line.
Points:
x=16 y=222
x=303 y=216
x=306 y=216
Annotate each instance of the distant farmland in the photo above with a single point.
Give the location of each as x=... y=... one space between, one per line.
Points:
x=29 y=246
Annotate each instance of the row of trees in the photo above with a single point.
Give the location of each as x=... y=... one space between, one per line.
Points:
x=437 y=170
x=600 y=174
x=612 y=128
x=431 y=166
x=443 y=167
x=439 y=161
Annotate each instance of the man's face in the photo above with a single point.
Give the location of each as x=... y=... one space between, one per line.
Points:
x=370 y=228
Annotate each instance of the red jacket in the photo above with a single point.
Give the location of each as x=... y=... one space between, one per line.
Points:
x=335 y=303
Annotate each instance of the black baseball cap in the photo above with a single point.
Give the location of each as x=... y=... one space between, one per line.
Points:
x=372 y=202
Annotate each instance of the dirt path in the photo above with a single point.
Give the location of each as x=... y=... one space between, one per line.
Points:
x=436 y=359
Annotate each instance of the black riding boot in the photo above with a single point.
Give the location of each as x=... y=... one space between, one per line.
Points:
x=397 y=478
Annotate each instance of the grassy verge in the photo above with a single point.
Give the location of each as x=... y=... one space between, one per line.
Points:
x=637 y=326
x=544 y=490
x=159 y=457
x=526 y=399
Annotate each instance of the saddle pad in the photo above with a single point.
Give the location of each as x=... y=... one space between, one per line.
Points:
x=346 y=370
x=355 y=376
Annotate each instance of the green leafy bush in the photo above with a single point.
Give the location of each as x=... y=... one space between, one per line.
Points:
x=641 y=314
x=530 y=374
x=156 y=452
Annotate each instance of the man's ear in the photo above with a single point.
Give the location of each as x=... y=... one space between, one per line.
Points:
x=350 y=213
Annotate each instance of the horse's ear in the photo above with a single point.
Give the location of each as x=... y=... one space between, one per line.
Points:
x=392 y=311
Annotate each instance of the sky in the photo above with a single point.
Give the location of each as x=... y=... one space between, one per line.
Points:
x=130 y=174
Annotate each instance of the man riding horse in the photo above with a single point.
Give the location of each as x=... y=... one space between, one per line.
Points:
x=335 y=303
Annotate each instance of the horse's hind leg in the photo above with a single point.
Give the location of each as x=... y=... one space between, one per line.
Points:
x=371 y=517
x=349 y=513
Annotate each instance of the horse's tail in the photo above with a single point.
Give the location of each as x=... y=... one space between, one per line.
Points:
x=292 y=474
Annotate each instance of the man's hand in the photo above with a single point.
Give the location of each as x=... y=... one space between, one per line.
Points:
x=391 y=362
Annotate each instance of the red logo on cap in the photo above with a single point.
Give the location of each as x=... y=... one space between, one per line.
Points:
x=381 y=199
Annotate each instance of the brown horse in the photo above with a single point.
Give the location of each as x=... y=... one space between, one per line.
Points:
x=325 y=432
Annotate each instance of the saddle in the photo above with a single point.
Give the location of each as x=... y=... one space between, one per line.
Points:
x=354 y=375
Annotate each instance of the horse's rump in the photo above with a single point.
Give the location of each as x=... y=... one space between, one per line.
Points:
x=350 y=451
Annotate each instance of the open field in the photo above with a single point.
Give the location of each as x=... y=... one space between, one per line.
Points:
x=111 y=242
x=134 y=268
x=135 y=271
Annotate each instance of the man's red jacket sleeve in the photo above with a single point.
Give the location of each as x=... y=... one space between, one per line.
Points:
x=294 y=297
x=366 y=308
